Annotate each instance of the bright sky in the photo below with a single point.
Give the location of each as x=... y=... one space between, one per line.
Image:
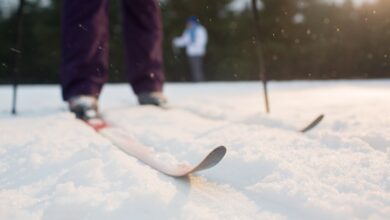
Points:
x=357 y=2
x=6 y=6
x=241 y=4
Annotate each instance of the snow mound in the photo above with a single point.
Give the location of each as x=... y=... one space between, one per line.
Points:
x=52 y=166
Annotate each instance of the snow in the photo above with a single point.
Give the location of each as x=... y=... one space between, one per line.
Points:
x=54 y=167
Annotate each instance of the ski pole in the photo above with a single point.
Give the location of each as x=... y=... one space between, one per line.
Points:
x=259 y=53
x=17 y=52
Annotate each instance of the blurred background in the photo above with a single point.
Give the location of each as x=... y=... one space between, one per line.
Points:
x=301 y=39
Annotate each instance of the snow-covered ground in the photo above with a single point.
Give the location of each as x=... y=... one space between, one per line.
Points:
x=54 y=167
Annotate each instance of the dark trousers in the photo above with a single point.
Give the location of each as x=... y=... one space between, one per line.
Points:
x=196 y=66
x=85 y=36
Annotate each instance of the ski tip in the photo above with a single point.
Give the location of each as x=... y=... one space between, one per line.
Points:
x=213 y=158
x=221 y=150
x=217 y=154
x=313 y=124
x=319 y=118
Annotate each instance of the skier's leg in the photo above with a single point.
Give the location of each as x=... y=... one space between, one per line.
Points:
x=143 y=37
x=191 y=62
x=199 y=68
x=84 y=64
x=196 y=68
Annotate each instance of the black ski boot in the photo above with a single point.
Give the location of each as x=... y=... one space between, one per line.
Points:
x=152 y=98
x=86 y=108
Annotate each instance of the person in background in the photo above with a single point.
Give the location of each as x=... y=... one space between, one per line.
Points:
x=84 y=61
x=194 y=39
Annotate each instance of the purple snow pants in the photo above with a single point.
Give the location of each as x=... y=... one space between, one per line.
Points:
x=85 y=35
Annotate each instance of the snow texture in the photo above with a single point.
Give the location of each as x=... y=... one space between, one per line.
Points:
x=54 y=167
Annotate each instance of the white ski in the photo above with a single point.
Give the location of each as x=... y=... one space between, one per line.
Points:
x=148 y=156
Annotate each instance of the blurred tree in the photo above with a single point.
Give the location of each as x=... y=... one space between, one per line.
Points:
x=302 y=39
x=40 y=47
